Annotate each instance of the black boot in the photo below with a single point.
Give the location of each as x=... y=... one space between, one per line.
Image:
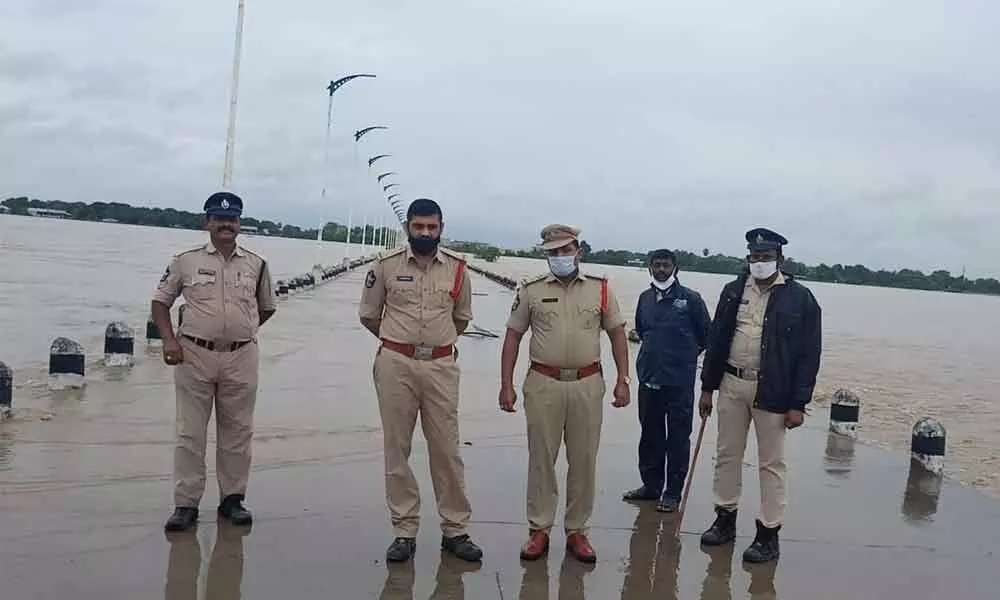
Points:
x=723 y=530
x=232 y=509
x=641 y=493
x=765 y=546
x=401 y=549
x=184 y=518
x=462 y=547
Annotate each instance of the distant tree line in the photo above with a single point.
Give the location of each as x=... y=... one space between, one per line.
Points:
x=703 y=262
x=178 y=219
x=707 y=262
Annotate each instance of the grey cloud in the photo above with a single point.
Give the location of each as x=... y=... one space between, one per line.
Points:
x=864 y=131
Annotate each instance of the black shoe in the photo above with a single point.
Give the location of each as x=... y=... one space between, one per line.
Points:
x=232 y=509
x=462 y=547
x=723 y=530
x=765 y=546
x=668 y=504
x=401 y=549
x=640 y=494
x=184 y=518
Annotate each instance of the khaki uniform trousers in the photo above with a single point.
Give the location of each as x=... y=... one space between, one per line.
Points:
x=735 y=408
x=227 y=380
x=557 y=410
x=407 y=386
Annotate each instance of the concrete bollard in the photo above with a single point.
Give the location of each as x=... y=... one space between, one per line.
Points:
x=282 y=289
x=844 y=412
x=67 y=364
x=154 y=339
x=119 y=345
x=927 y=445
x=6 y=390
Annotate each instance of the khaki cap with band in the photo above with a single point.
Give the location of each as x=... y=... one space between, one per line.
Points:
x=556 y=236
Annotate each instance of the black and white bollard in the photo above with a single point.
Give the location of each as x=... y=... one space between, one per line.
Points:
x=119 y=345
x=282 y=290
x=844 y=412
x=154 y=339
x=6 y=390
x=928 y=444
x=67 y=364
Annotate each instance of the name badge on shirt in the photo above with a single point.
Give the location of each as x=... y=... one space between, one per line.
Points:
x=550 y=299
x=404 y=277
x=680 y=303
x=206 y=271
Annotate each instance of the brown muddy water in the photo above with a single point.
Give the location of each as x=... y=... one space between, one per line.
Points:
x=909 y=354
x=85 y=485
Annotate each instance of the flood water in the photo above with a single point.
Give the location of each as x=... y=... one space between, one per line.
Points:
x=909 y=354
x=85 y=474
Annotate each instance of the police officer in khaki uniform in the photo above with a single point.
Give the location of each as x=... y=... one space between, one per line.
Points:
x=229 y=294
x=417 y=300
x=564 y=388
x=763 y=355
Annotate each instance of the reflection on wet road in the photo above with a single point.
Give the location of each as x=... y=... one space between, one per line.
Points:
x=224 y=572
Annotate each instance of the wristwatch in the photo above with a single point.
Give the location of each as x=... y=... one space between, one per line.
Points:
x=627 y=380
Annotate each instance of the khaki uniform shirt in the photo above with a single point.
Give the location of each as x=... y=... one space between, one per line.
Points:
x=222 y=296
x=565 y=319
x=745 y=350
x=415 y=305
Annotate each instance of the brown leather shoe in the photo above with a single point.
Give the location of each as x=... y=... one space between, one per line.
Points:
x=579 y=546
x=536 y=546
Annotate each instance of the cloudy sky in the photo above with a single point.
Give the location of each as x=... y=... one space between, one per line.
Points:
x=865 y=131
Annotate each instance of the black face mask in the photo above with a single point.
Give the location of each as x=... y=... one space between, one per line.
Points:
x=424 y=246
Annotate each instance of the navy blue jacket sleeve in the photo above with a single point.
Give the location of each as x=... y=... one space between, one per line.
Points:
x=810 y=348
x=702 y=322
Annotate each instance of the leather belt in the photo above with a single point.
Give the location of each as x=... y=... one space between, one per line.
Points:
x=742 y=372
x=567 y=374
x=231 y=347
x=419 y=351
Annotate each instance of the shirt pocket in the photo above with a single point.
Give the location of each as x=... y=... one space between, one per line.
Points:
x=544 y=316
x=203 y=286
x=245 y=285
x=589 y=317
x=402 y=294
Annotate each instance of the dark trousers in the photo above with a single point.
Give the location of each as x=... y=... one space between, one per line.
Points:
x=665 y=416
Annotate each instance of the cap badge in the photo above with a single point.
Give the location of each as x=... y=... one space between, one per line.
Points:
x=760 y=238
x=225 y=204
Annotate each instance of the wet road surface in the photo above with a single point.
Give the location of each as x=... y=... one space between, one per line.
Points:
x=83 y=497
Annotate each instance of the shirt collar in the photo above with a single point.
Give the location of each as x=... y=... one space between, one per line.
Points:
x=779 y=280
x=211 y=249
x=553 y=279
x=411 y=256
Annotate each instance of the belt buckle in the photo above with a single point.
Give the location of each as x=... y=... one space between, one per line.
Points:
x=423 y=352
x=749 y=374
x=568 y=374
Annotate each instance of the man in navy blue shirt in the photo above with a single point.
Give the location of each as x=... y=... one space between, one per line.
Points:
x=673 y=323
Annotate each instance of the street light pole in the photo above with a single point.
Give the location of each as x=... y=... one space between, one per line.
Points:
x=227 y=170
x=333 y=87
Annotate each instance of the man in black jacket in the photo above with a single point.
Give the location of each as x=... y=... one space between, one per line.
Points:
x=763 y=355
x=673 y=323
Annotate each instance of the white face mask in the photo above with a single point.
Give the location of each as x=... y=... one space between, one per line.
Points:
x=562 y=266
x=763 y=270
x=663 y=285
